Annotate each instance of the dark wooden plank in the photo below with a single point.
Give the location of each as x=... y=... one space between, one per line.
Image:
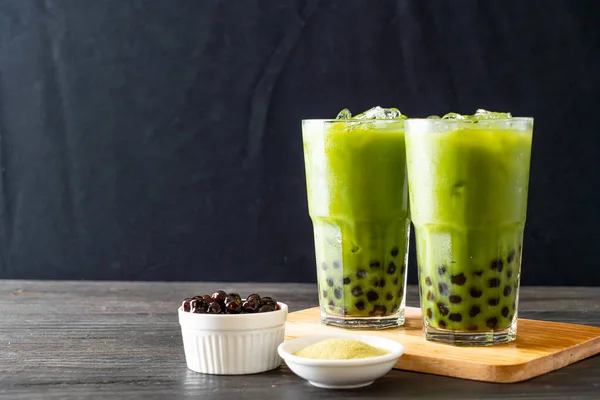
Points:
x=68 y=340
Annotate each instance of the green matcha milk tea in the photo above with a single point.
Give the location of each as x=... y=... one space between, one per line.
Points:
x=357 y=191
x=468 y=179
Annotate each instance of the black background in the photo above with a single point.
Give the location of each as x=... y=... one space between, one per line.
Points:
x=160 y=140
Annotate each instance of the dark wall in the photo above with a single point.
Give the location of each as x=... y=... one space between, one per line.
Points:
x=160 y=140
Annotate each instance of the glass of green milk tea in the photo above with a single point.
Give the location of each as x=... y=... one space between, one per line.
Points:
x=468 y=184
x=357 y=190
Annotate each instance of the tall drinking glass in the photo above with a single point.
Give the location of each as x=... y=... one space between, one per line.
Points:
x=468 y=180
x=358 y=202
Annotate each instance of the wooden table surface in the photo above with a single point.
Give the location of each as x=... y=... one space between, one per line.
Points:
x=105 y=340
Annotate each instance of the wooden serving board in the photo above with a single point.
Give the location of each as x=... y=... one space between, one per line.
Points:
x=540 y=347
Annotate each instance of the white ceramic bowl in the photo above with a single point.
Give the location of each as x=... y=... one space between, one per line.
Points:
x=341 y=374
x=224 y=344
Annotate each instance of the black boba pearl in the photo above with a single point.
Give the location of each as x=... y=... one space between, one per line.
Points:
x=395 y=251
x=391 y=268
x=429 y=313
x=251 y=306
x=324 y=266
x=401 y=291
x=430 y=296
x=442 y=324
x=510 y=256
x=336 y=265
x=331 y=305
x=428 y=281
x=497 y=265
x=459 y=279
x=219 y=296
x=379 y=283
x=492 y=323
x=357 y=291
x=395 y=281
x=360 y=305
x=443 y=288
x=402 y=269
x=214 y=308
x=233 y=307
x=442 y=270
x=509 y=273
x=475 y=310
x=475 y=292
x=505 y=311
x=361 y=273
x=329 y=282
x=507 y=290
x=237 y=297
x=494 y=301
x=186 y=304
x=472 y=328
x=443 y=309
x=456 y=317
x=372 y=296
x=347 y=280
x=379 y=310
x=337 y=293
x=494 y=282
x=455 y=299
x=324 y=293
x=374 y=264
x=478 y=273
x=389 y=297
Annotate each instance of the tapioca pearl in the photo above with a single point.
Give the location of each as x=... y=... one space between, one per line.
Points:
x=401 y=291
x=429 y=313
x=509 y=273
x=496 y=265
x=395 y=251
x=459 y=279
x=505 y=311
x=394 y=308
x=391 y=268
x=372 y=296
x=476 y=293
x=324 y=293
x=337 y=264
x=356 y=291
x=430 y=296
x=510 y=256
x=360 y=305
x=474 y=311
x=443 y=288
x=478 y=273
x=379 y=310
x=456 y=317
x=324 y=266
x=347 y=280
x=337 y=293
x=374 y=264
x=329 y=282
x=455 y=299
x=331 y=305
x=492 y=323
x=379 y=282
x=389 y=297
x=472 y=328
x=395 y=281
x=494 y=301
x=428 y=281
x=507 y=290
x=493 y=282
x=442 y=324
x=402 y=269
x=442 y=270
x=361 y=273
x=443 y=309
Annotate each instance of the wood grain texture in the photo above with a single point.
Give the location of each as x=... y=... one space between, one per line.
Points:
x=121 y=340
x=540 y=347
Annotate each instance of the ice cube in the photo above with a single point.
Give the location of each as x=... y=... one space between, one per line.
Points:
x=453 y=115
x=381 y=113
x=344 y=114
x=484 y=114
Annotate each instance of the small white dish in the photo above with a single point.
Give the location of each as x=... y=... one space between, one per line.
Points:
x=340 y=374
x=233 y=344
